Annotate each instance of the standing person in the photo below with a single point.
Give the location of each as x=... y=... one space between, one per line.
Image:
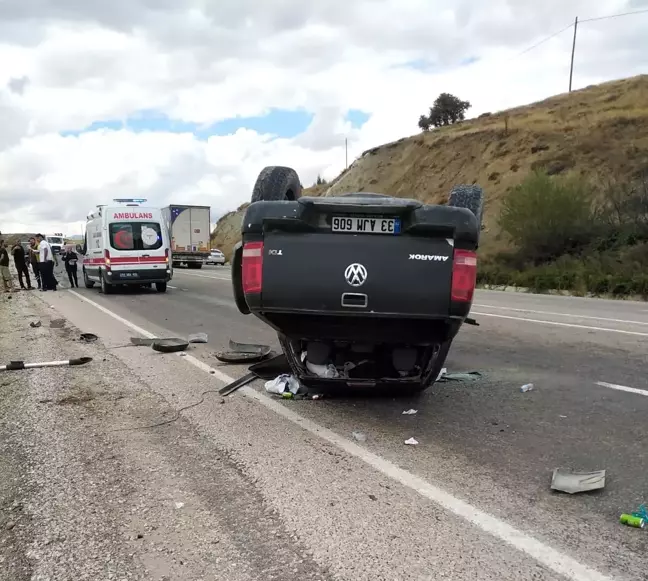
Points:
x=45 y=264
x=21 y=265
x=33 y=259
x=70 y=258
x=5 y=275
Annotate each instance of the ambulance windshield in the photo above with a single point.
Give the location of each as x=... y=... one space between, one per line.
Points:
x=129 y=236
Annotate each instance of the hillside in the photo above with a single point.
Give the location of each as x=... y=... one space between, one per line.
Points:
x=599 y=133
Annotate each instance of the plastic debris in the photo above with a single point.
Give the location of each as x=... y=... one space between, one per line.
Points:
x=35 y=325
x=281 y=384
x=88 y=337
x=179 y=505
x=465 y=376
x=411 y=442
x=359 y=436
x=197 y=338
x=328 y=371
x=169 y=345
x=442 y=373
x=243 y=352
x=527 y=387
x=409 y=412
x=574 y=482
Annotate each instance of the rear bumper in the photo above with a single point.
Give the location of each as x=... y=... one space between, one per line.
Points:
x=138 y=276
x=392 y=328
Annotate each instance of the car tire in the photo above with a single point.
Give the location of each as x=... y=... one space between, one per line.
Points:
x=86 y=281
x=161 y=287
x=469 y=197
x=277 y=183
x=106 y=287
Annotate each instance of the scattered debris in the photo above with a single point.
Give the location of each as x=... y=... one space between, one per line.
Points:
x=465 y=376
x=283 y=383
x=411 y=442
x=317 y=396
x=57 y=323
x=16 y=365
x=170 y=345
x=573 y=482
x=409 y=412
x=632 y=521
x=198 y=338
x=35 y=325
x=326 y=371
x=359 y=436
x=141 y=342
x=527 y=387
x=240 y=382
x=243 y=352
x=88 y=337
x=179 y=505
x=637 y=519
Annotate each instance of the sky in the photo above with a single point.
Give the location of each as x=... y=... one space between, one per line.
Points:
x=185 y=101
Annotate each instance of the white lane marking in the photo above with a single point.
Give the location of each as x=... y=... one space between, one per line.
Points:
x=557 y=324
x=562 y=314
x=203 y=276
x=549 y=557
x=623 y=388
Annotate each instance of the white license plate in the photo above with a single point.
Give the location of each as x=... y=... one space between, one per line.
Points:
x=365 y=225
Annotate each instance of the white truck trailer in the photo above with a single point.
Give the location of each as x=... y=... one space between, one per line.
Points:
x=189 y=230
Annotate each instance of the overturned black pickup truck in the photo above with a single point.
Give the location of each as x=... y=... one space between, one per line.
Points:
x=363 y=289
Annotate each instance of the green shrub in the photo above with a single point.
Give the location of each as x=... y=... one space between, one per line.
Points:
x=547 y=217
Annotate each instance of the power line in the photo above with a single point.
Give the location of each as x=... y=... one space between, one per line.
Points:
x=571 y=24
x=643 y=11
x=544 y=40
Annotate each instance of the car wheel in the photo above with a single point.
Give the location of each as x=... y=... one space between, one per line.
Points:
x=86 y=281
x=106 y=287
x=276 y=183
x=161 y=287
x=469 y=197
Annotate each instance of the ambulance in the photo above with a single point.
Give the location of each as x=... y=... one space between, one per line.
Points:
x=126 y=243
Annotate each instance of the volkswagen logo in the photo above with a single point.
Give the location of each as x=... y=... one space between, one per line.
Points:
x=355 y=274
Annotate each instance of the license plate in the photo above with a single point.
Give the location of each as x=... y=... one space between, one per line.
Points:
x=366 y=225
x=128 y=275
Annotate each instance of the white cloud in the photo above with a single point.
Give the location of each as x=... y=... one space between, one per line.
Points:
x=66 y=63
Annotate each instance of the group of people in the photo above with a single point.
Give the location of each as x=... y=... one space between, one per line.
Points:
x=40 y=256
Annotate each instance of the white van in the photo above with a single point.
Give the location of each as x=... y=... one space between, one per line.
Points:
x=56 y=242
x=126 y=244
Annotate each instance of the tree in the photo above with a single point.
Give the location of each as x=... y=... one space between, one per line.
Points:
x=447 y=109
x=320 y=181
x=424 y=123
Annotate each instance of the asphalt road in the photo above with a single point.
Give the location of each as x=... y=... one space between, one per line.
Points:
x=482 y=442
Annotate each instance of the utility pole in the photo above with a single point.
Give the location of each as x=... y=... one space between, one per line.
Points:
x=571 y=68
x=346 y=153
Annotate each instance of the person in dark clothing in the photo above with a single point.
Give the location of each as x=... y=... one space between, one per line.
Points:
x=5 y=275
x=70 y=258
x=33 y=259
x=21 y=265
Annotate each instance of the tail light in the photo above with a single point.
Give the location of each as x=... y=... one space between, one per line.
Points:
x=464 y=275
x=166 y=255
x=252 y=270
x=107 y=258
